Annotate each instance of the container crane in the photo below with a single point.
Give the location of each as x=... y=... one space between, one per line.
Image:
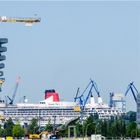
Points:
x=15 y=90
x=133 y=89
x=28 y=21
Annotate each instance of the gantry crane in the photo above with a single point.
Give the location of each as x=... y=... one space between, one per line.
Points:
x=83 y=101
x=27 y=21
x=133 y=89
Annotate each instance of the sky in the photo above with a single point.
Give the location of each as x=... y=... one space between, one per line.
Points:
x=75 y=41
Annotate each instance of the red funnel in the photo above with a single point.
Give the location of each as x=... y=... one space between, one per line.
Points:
x=49 y=93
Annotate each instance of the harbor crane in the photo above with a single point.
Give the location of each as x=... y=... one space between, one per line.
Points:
x=15 y=90
x=82 y=102
x=133 y=89
x=28 y=21
x=96 y=90
x=81 y=97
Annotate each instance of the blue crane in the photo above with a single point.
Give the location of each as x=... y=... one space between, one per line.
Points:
x=133 y=90
x=83 y=100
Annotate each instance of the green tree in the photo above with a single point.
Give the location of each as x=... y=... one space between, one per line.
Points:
x=131 y=127
x=49 y=126
x=18 y=131
x=79 y=129
x=8 y=126
x=138 y=132
x=33 y=126
x=131 y=116
x=123 y=128
x=108 y=130
x=104 y=128
x=90 y=125
x=61 y=132
x=2 y=132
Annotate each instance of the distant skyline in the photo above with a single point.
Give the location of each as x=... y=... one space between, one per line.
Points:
x=75 y=41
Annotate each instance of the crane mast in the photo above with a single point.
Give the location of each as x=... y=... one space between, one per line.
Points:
x=76 y=94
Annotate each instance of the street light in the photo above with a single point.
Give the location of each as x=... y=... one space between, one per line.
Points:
x=54 y=125
x=87 y=127
x=135 y=133
x=95 y=127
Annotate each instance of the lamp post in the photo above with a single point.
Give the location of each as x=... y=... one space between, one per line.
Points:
x=54 y=127
x=136 y=133
x=86 y=129
x=96 y=125
x=88 y=126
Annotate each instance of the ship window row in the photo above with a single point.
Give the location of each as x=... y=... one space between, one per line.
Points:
x=18 y=114
x=41 y=115
x=11 y=112
x=50 y=109
x=45 y=113
x=40 y=112
x=34 y=112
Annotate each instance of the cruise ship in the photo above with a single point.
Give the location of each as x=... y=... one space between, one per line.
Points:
x=52 y=110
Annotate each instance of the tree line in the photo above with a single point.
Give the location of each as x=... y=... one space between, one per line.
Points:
x=116 y=127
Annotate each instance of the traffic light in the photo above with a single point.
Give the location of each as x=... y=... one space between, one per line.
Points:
x=2 y=57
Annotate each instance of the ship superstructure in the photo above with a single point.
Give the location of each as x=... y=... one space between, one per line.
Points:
x=52 y=108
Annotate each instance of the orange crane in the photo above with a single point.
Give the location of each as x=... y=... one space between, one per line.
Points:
x=15 y=90
x=27 y=20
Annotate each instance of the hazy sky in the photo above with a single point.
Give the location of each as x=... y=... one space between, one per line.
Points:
x=74 y=41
